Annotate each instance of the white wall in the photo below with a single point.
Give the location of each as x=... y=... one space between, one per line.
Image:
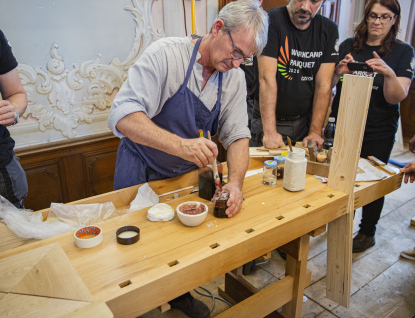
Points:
x=72 y=55
x=352 y=13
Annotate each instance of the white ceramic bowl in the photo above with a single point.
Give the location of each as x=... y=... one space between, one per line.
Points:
x=192 y=219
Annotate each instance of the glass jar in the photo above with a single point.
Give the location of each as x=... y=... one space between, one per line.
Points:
x=295 y=170
x=270 y=177
x=221 y=203
x=207 y=182
x=280 y=160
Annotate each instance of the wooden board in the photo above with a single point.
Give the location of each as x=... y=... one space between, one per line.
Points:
x=263 y=302
x=317 y=168
x=264 y=152
x=297 y=267
x=13 y=269
x=21 y=306
x=135 y=279
x=97 y=309
x=44 y=271
x=354 y=103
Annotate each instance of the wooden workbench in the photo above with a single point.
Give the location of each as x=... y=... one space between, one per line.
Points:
x=171 y=259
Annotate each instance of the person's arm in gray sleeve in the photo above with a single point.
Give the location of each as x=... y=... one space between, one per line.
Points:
x=234 y=135
x=139 y=100
x=233 y=123
x=141 y=92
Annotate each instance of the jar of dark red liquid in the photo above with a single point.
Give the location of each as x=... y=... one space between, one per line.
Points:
x=280 y=166
x=221 y=203
x=207 y=182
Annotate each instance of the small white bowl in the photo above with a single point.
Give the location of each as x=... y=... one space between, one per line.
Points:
x=192 y=219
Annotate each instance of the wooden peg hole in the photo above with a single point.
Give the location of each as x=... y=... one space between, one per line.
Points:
x=331 y=196
x=171 y=264
x=126 y=283
x=280 y=217
x=249 y=231
x=357 y=185
x=307 y=206
x=214 y=246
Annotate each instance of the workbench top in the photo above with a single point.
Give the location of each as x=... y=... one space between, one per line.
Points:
x=171 y=259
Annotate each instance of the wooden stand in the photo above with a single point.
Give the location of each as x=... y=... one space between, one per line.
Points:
x=354 y=103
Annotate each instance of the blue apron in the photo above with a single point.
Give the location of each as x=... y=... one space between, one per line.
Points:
x=183 y=114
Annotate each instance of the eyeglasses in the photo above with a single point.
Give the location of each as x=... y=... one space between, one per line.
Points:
x=372 y=17
x=239 y=56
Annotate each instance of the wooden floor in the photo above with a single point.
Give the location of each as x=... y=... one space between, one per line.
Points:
x=383 y=283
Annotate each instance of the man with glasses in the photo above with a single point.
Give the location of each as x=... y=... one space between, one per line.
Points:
x=179 y=86
x=295 y=71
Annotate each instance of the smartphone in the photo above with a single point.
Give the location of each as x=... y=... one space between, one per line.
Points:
x=359 y=66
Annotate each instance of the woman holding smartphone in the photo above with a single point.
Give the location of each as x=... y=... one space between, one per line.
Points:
x=392 y=61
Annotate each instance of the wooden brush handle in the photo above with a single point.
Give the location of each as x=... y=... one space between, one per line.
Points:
x=214 y=165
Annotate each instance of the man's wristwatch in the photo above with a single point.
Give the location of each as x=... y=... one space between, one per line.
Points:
x=16 y=118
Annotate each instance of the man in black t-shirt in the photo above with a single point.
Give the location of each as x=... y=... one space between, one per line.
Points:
x=13 y=183
x=295 y=71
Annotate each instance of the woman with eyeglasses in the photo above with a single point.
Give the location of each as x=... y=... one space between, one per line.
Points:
x=392 y=61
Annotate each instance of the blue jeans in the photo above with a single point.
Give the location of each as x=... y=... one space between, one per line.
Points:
x=13 y=183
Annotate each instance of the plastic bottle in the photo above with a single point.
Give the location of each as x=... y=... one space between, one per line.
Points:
x=295 y=170
x=329 y=133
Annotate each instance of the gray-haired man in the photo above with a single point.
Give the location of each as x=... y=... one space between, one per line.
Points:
x=181 y=85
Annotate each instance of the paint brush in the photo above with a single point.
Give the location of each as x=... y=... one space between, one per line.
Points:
x=289 y=144
x=218 y=184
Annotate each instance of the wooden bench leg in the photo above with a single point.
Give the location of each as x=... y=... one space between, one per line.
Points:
x=237 y=289
x=297 y=268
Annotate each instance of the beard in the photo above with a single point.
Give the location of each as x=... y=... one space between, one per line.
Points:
x=301 y=12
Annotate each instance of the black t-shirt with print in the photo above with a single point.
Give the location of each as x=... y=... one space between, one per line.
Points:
x=7 y=63
x=300 y=54
x=382 y=117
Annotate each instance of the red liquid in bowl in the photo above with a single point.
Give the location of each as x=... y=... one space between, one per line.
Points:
x=192 y=208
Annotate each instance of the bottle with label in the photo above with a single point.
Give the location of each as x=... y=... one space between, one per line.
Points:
x=329 y=133
x=207 y=182
x=295 y=170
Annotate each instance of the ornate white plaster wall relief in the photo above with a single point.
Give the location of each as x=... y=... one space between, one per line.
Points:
x=62 y=99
